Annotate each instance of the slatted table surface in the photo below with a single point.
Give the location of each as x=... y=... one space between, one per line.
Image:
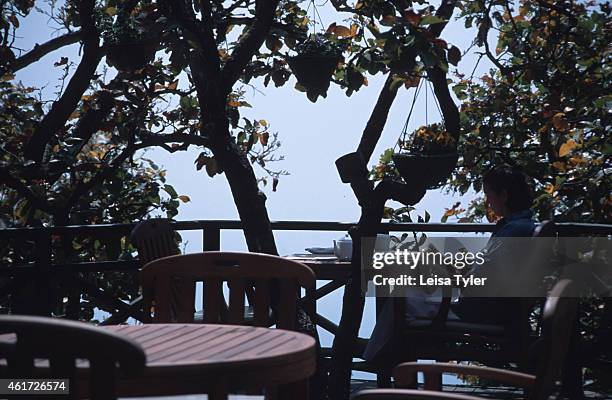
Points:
x=200 y=358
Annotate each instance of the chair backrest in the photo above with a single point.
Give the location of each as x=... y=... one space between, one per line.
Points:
x=538 y=258
x=62 y=342
x=269 y=275
x=408 y=394
x=154 y=238
x=559 y=324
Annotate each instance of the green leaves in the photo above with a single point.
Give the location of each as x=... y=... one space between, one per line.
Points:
x=210 y=163
x=547 y=110
x=454 y=55
x=170 y=190
x=431 y=20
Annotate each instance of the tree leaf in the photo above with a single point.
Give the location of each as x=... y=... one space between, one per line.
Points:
x=559 y=122
x=273 y=44
x=14 y=20
x=170 y=190
x=212 y=167
x=560 y=166
x=263 y=138
x=431 y=20
x=342 y=31
x=173 y=85
x=428 y=59
x=567 y=147
x=454 y=55
x=411 y=17
x=387 y=213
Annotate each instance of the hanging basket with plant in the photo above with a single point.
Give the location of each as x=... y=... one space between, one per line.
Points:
x=428 y=157
x=131 y=42
x=316 y=60
x=424 y=157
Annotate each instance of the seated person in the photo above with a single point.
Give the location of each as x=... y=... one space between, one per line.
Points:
x=509 y=196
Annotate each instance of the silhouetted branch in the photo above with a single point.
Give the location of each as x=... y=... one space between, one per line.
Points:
x=41 y=50
x=60 y=111
x=250 y=42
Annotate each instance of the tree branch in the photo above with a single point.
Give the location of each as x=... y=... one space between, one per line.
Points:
x=6 y=178
x=445 y=11
x=450 y=112
x=60 y=111
x=249 y=44
x=117 y=162
x=41 y=50
x=202 y=30
x=107 y=171
x=378 y=118
x=185 y=138
x=204 y=63
x=275 y=24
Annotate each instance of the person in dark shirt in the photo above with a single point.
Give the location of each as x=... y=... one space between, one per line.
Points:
x=509 y=197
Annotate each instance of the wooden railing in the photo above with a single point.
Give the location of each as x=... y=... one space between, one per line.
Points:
x=43 y=264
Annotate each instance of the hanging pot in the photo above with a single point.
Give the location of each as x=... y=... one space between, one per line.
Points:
x=429 y=171
x=129 y=56
x=314 y=72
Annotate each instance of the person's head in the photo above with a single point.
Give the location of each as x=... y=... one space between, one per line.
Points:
x=507 y=190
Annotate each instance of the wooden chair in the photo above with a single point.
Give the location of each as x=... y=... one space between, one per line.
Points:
x=62 y=342
x=239 y=270
x=446 y=340
x=558 y=325
x=154 y=238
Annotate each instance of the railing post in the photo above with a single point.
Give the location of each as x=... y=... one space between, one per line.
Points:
x=34 y=295
x=211 y=238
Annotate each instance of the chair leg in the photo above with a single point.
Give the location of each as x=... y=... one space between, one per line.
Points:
x=271 y=393
x=383 y=379
x=295 y=391
x=433 y=381
x=218 y=392
x=572 y=372
x=572 y=382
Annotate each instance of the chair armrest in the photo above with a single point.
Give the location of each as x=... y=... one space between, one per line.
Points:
x=408 y=394
x=404 y=372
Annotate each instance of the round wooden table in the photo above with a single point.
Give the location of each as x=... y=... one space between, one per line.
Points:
x=214 y=359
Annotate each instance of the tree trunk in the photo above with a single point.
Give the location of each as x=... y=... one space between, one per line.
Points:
x=250 y=201
x=372 y=205
x=353 y=301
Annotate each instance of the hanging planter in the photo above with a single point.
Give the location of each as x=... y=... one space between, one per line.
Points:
x=314 y=65
x=131 y=43
x=428 y=158
x=131 y=55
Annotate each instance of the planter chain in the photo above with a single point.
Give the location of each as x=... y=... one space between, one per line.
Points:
x=428 y=87
x=315 y=14
x=437 y=103
x=426 y=101
x=404 y=132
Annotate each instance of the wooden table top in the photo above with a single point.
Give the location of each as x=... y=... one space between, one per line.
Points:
x=188 y=358
x=188 y=346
